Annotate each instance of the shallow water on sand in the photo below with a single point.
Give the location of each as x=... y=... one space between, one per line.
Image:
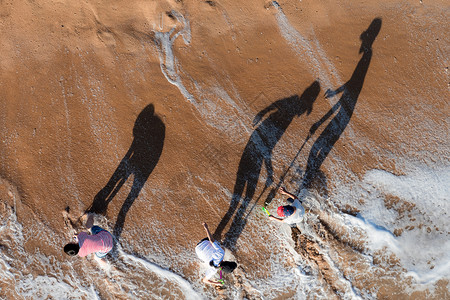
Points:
x=159 y=116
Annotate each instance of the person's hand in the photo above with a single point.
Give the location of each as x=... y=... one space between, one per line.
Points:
x=205 y=225
x=266 y=211
x=281 y=190
x=256 y=120
x=330 y=93
x=217 y=283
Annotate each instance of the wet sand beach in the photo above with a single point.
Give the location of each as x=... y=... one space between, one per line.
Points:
x=160 y=115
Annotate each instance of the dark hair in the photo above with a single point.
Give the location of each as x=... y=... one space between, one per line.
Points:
x=71 y=249
x=211 y=264
x=228 y=266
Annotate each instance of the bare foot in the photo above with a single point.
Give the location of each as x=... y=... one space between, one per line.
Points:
x=220 y=290
x=104 y=264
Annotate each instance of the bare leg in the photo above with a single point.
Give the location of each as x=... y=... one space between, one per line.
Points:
x=103 y=263
x=67 y=221
x=72 y=224
x=89 y=221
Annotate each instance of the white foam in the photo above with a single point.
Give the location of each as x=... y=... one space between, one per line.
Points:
x=378 y=237
x=440 y=272
x=428 y=190
x=45 y=287
x=184 y=285
x=424 y=248
x=15 y=264
x=425 y=188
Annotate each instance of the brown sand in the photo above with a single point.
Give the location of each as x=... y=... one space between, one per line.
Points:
x=75 y=76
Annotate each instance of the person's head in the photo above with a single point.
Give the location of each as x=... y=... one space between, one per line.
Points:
x=71 y=249
x=368 y=37
x=309 y=96
x=225 y=266
x=285 y=211
x=228 y=266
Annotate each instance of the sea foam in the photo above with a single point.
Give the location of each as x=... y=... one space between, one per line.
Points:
x=423 y=247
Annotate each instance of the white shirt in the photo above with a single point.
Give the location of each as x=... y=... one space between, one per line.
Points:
x=298 y=214
x=208 y=251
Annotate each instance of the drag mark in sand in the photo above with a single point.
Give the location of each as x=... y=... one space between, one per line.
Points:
x=100 y=114
x=70 y=173
x=168 y=62
x=316 y=242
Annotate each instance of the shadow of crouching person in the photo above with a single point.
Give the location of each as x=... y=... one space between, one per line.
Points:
x=140 y=160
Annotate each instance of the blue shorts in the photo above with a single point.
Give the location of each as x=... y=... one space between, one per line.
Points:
x=95 y=230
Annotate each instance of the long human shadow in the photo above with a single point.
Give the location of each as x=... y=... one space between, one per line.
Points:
x=345 y=107
x=140 y=160
x=257 y=152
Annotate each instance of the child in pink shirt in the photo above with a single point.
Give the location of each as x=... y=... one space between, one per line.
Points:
x=99 y=242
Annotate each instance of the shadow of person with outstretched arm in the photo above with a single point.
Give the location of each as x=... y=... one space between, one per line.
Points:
x=140 y=160
x=344 y=107
x=257 y=152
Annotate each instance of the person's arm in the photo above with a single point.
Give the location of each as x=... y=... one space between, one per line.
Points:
x=330 y=93
x=276 y=219
x=210 y=238
x=213 y=282
x=101 y=261
x=316 y=125
x=283 y=191
x=272 y=217
x=263 y=112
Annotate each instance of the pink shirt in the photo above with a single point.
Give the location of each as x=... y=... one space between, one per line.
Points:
x=100 y=242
